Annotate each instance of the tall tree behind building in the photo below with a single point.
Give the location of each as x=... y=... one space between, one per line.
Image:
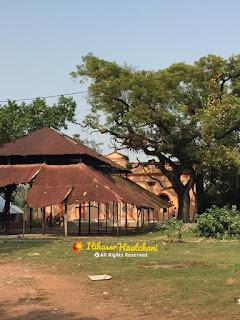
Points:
x=187 y=116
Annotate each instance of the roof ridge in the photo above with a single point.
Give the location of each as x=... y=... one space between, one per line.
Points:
x=78 y=143
x=50 y=141
x=64 y=135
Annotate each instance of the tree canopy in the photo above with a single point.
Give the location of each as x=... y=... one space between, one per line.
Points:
x=17 y=120
x=188 y=116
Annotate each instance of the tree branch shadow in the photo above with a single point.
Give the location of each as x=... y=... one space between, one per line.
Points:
x=39 y=314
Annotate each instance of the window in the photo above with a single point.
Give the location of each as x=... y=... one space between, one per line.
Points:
x=151 y=183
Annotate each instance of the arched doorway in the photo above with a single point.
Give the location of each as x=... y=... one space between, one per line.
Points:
x=165 y=197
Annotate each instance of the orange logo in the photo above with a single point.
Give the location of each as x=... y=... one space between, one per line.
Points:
x=77 y=246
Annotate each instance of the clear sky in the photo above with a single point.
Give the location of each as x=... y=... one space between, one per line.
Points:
x=43 y=40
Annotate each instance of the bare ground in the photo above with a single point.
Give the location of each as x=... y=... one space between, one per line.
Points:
x=31 y=293
x=34 y=294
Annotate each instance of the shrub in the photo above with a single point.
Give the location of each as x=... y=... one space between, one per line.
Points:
x=218 y=222
x=171 y=226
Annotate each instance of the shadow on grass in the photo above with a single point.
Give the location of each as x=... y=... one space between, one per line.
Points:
x=74 y=232
x=8 y=245
x=40 y=314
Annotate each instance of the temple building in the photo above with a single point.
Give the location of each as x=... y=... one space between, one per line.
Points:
x=141 y=175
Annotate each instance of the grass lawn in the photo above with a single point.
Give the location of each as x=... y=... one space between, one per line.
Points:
x=194 y=278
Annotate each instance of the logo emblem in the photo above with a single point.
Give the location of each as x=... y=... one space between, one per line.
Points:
x=77 y=246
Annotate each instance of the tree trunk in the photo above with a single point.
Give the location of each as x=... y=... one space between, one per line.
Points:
x=182 y=190
x=183 y=204
x=198 y=195
x=8 y=190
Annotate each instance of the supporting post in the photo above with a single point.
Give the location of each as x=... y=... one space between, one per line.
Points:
x=79 y=219
x=117 y=223
x=98 y=213
x=30 y=218
x=143 y=219
x=65 y=222
x=23 y=226
x=148 y=217
x=89 y=217
x=50 y=224
x=7 y=221
x=43 y=220
x=24 y=210
x=120 y=216
x=107 y=209
x=138 y=219
x=126 y=226
x=168 y=213
x=113 y=213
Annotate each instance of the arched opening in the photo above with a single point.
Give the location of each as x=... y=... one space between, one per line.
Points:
x=165 y=197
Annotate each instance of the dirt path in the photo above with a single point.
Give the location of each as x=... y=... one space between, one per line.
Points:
x=33 y=294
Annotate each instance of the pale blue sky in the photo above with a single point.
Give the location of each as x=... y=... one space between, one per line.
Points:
x=42 y=40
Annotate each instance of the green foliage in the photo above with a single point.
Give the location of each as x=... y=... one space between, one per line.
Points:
x=218 y=222
x=221 y=188
x=173 y=227
x=186 y=112
x=17 y=120
x=90 y=143
x=129 y=166
x=18 y=196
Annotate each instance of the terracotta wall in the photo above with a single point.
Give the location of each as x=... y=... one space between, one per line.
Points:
x=140 y=176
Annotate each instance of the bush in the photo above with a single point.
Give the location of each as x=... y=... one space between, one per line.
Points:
x=218 y=222
x=171 y=226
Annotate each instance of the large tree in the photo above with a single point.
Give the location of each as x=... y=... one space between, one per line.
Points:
x=186 y=116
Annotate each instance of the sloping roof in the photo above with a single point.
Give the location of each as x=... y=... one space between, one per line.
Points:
x=48 y=141
x=17 y=174
x=123 y=156
x=55 y=182
x=44 y=196
x=141 y=192
x=79 y=183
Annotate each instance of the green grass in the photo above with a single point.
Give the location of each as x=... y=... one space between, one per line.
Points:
x=199 y=289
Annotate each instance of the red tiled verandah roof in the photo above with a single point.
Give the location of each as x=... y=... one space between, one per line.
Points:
x=80 y=183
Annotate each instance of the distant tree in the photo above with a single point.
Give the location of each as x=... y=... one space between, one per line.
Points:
x=221 y=188
x=19 y=119
x=187 y=116
x=18 y=196
x=90 y=143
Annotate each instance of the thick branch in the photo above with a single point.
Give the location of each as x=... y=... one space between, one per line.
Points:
x=149 y=175
x=123 y=102
x=226 y=80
